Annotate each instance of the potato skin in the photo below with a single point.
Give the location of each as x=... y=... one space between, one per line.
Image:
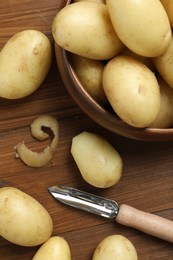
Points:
x=54 y=248
x=90 y=72
x=168 y=5
x=143 y=27
x=164 y=118
x=115 y=247
x=23 y=220
x=164 y=65
x=99 y=163
x=30 y=56
x=132 y=90
x=85 y=29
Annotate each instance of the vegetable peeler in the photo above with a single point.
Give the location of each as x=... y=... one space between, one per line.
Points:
x=123 y=214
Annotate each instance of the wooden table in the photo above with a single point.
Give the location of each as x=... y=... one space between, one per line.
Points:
x=147 y=180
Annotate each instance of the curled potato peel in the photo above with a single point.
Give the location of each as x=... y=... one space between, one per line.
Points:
x=35 y=159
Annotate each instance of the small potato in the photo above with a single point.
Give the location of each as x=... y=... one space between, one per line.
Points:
x=99 y=163
x=54 y=248
x=24 y=63
x=132 y=90
x=143 y=26
x=97 y=1
x=168 y=5
x=164 y=65
x=23 y=220
x=85 y=29
x=115 y=247
x=164 y=118
x=90 y=73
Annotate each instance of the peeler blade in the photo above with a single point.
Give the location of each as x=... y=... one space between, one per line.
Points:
x=85 y=201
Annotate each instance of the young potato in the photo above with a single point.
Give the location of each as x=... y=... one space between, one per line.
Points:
x=54 y=248
x=168 y=5
x=99 y=163
x=164 y=118
x=164 y=65
x=115 y=247
x=97 y=1
x=143 y=27
x=30 y=56
x=85 y=29
x=23 y=220
x=132 y=90
x=90 y=73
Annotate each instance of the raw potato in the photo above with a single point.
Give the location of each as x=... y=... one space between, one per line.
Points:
x=115 y=247
x=23 y=220
x=35 y=159
x=164 y=65
x=168 y=5
x=99 y=163
x=143 y=27
x=85 y=29
x=90 y=73
x=164 y=118
x=132 y=90
x=30 y=56
x=97 y=1
x=53 y=249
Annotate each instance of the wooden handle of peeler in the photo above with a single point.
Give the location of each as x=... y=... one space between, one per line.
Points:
x=149 y=223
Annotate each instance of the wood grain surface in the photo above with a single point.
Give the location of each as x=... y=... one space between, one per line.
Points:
x=147 y=180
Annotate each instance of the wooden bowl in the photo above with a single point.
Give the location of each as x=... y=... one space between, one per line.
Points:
x=98 y=113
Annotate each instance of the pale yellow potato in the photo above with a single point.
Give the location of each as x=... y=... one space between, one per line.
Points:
x=23 y=220
x=54 y=248
x=115 y=247
x=132 y=90
x=164 y=65
x=90 y=72
x=24 y=64
x=97 y=1
x=85 y=29
x=164 y=118
x=143 y=27
x=98 y=161
x=168 y=5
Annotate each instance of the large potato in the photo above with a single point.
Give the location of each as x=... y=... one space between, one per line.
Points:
x=143 y=26
x=99 y=163
x=23 y=220
x=168 y=5
x=85 y=29
x=164 y=118
x=53 y=249
x=115 y=247
x=164 y=65
x=24 y=63
x=132 y=90
x=90 y=72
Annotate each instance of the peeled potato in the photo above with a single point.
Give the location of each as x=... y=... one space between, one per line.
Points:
x=99 y=163
x=54 y=248
x=23 y=220
x=115 y=247
x=132 y=90
x=85 y=29
x=24 y=64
